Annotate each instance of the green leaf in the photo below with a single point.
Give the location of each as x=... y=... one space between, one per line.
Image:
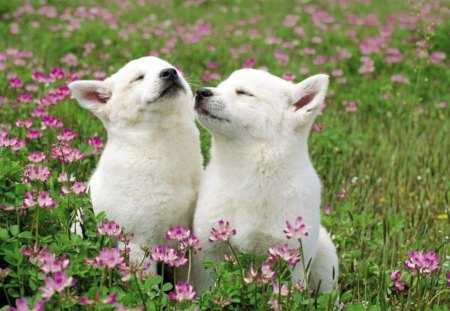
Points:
x=4 y=234
x=167 y=287
x=14 y=230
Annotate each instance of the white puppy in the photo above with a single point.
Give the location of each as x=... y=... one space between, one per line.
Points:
x=148 y=175
x=260 y=174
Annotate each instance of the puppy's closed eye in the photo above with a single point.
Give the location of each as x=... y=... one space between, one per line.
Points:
x=138 y=78
x=242 y=92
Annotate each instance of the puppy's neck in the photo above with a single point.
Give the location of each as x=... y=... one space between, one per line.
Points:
x=147 y=135
x=275 y=158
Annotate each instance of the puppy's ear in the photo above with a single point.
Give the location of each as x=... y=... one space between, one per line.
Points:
x=310 y=93
x=91 y=94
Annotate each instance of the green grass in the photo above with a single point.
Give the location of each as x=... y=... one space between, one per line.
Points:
x=392 y=154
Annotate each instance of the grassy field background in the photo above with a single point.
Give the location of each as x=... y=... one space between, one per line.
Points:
x=381 y=147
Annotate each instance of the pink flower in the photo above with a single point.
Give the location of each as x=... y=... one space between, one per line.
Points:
x=57 y=73
x=33 y=134
x=296 y=231
x=191 y=242
x=109 y=258
x=78 y=188
x=41 y=173
x=168 y=255
x=267 y=272
x=249 y=63
x=62 y=177
x=285 y=253
x=51 y=122
x=69 y=59
x=399 y=79
x=209 y=76
x=56 y=284
x=35 y=252
x=51 y=265
x=424 y=263
x=319 y=60
x=40 y=77
x=24 y=123
x=368 y=65
x=341 y=195
x=282 y=57
x=289 y=76
x=437 y=57
x=36 y=157
x=352 y=107
x=399 y=285
x=24 y=97
x=183 y=292
x=28 y=200
x=223 y=233
x=110 y=228
x=252 y=275
x=317 y=127
x=15 y=83
x=96 y=143
x=22 y=305
x=67 y=135
x=4 y=273
x=177 y=233
x=135 y=268
x=274 y=305
x=283 y=291
x=65 y=153
x=212 y=64
x=45 y=201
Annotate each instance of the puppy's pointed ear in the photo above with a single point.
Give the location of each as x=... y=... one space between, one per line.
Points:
x=310 y=93
x=91 y=94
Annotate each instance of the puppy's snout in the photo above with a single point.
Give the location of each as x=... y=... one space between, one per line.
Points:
x=169 y=74
x=202 y=93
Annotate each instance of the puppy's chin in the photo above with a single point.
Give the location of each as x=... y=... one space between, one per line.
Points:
x=171 y=91
x=204 y=115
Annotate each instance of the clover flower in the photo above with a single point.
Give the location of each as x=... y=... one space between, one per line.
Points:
x=168 y=255
x=183 y=292
x=424 y=263
x=297 y=230
x=283 y=291
x=399 y=286
x=22 y=305
x=223 y=233
x=109 y=258
x=110 y=228
x=49 y=263
x=56 y=284
x=177 y=233
x=267 y=272
x=45 y=201
x=285 y=253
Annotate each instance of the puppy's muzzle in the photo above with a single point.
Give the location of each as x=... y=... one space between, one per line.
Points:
x=201 y=95
x=168 y=74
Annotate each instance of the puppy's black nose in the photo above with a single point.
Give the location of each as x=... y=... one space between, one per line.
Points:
x=202 y=93
x=168 y=74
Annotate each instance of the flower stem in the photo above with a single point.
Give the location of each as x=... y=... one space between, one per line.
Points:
x=189 y=268
x=144 y=300
x=36 y=215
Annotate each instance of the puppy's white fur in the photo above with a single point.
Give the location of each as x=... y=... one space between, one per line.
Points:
x=148 y=175
x=260 y=174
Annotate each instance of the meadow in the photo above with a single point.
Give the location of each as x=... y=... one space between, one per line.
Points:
x=380 y=147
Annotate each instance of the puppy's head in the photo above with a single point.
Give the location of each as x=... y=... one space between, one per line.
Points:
x=254 y=103
x=141 y=92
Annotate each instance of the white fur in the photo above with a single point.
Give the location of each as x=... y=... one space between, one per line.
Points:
x=148 y=175
x=260 y=174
